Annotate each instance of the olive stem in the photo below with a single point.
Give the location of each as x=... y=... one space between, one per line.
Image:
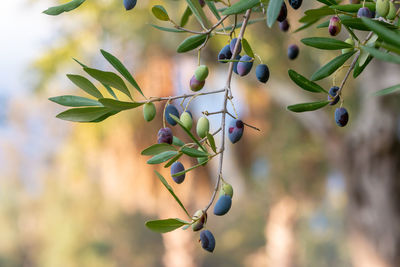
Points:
x=223 y=119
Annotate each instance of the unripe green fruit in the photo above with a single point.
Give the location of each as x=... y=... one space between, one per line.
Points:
x=349 y=41
x=203 y=126
x=392 y=12
x=202 y=160
x=201 y=73
x=187 y=120
x=149 y=111
x=226 y=189
x=201 y=218
x=382 y=7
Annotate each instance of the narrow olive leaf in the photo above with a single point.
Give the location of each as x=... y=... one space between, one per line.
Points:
x=325 y=43
x=328 y=2
x=353 y=8
x=359 y=69
x=389 y=47
x=165 y=226
x=308 y=106
x=306 y=25
x=274 y=7
x=109 y=89
x=305 y=84
x=331 y=66
x=382 y=55
x=157 y=149
x=252 y=21
x=388 y=36
x=316 y=14
x=171 y=191
x=119 y=105
x=171 y=161
x=165 y=29
x=197 y=10
x=105 y=116
x=74 y=101
x=57 y=10
x=363 y=53
x=160 y=13
x=109 y=79
x=185 y=17
x=85 y=85
x=187 y=131
x=389 y=90
x=241 y=6
x=211 y=141
x=117 y=64
x=213 y=9
x=358 y=24
x=191 y=168
x=194 y=153
x=191 y=43
x=177 y=142
x=247 y=48
x=83 y=114
x=162 y=157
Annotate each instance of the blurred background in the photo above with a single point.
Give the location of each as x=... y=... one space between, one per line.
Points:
x=306 y=192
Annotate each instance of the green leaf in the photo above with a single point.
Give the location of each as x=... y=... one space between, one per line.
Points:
x=171 y=191
x=211 y=140
x=316 y=14
x=187 y=131
x=325 y=43
x=191 y=168
x=117 y=64
x=160 y=13
x=191 y=43
x=238 y=25
x=306 y=25
x=387 y=35
x=171 y=161
x=331 y=66
x=305 y=84
x=85 y=85
x=119 y=105
x=165 y=29
x=157 y=149
x=177 y=142
x=308 y=106
x=162 y=157
x=213 y=9
x=185 y=17
x=165 y=226
x=194 y=153
x=109 y=90
x=382 y=55
x=74 y=101
x=241 y=6
x=353 y=8
x=274 y=7
x=328 y=2
x=83 y=114
x=358 y=24
x=359 y=69
x=247 y=48
x=197 y=10
x=389 y=90
x=109 y=79
x=57 y=10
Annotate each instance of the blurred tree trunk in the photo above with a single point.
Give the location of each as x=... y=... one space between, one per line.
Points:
x=370 y=157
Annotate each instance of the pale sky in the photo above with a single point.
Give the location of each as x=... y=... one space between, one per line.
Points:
x=24 y=33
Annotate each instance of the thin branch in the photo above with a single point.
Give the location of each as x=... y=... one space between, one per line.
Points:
x=223 y=119
x=158 y=99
